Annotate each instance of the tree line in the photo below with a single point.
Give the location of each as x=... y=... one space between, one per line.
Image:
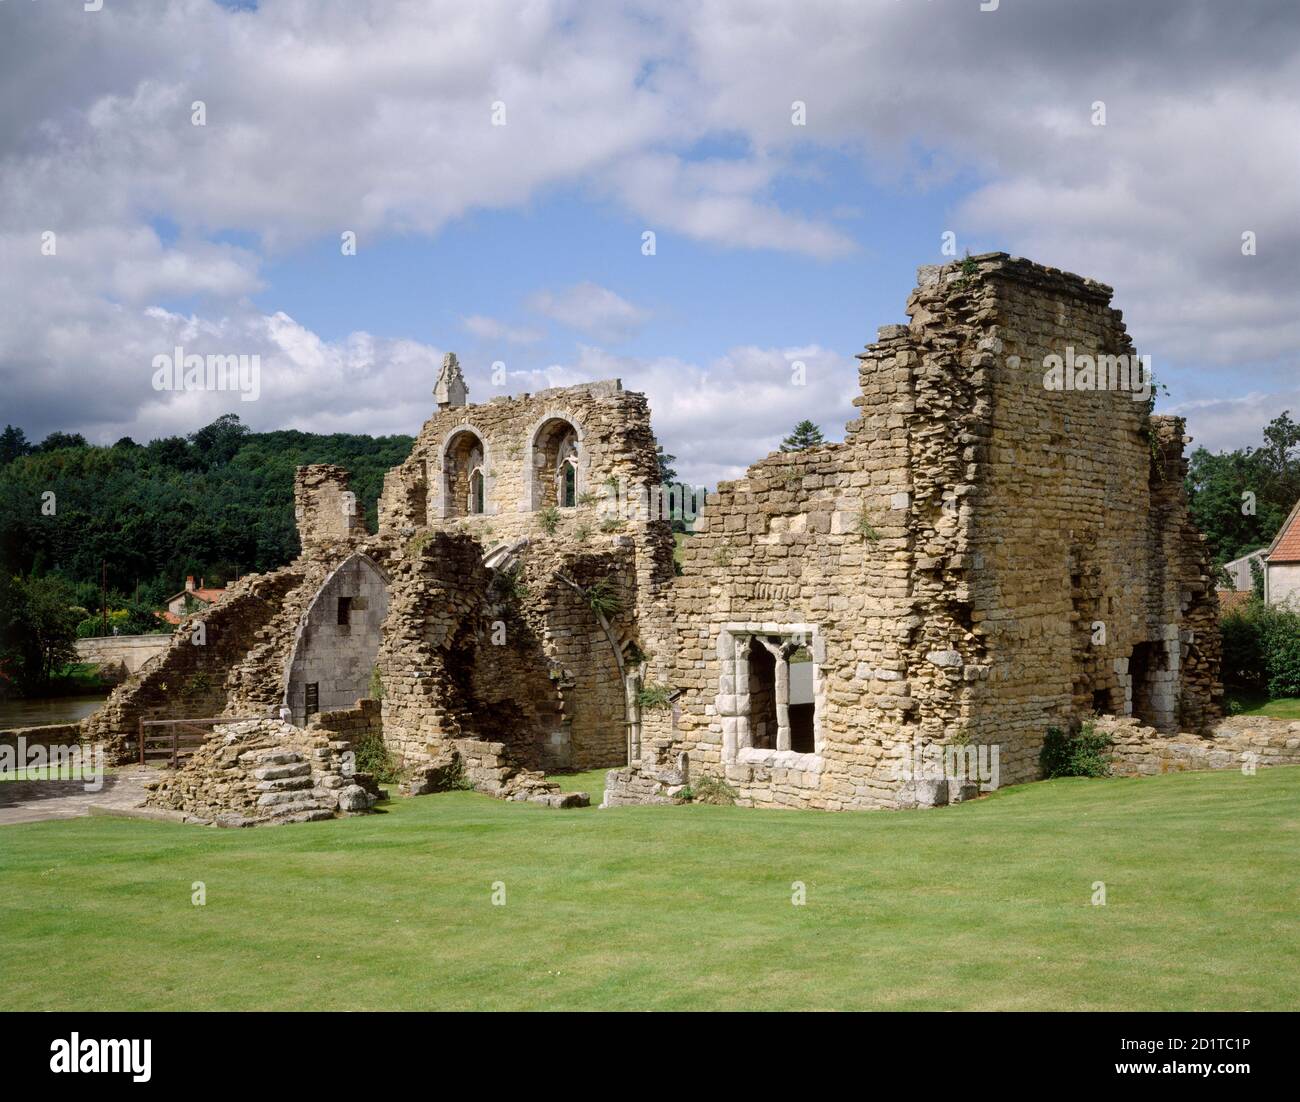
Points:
x=1241 y=498
x=217 y=504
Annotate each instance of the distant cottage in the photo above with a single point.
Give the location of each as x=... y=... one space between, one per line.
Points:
x=191 y=599
x=1282 y=563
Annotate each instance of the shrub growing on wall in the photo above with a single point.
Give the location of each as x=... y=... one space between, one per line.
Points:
x=1081 y=755
x=373 y=758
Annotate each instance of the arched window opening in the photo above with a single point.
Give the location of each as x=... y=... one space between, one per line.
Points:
x=463 y=491
x=476 y=490
x=557 y=465
x=568 y=488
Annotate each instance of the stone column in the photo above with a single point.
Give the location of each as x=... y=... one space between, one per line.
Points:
x=632 y=686
x=782 y=692
x=740 y=709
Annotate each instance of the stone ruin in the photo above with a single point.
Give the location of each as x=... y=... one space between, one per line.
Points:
x=982 y=558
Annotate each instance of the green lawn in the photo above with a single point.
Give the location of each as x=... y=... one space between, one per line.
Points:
x=1258 y=704
x=984 y=905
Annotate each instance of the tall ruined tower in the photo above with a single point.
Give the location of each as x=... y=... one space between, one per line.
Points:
x=988 y=554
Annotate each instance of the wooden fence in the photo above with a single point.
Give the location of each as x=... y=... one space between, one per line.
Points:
x=179 y=738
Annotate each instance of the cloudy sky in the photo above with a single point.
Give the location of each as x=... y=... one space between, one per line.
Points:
x=522 y=243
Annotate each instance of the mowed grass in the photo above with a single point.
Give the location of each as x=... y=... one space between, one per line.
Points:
x=1259 y=704
x=986 y=905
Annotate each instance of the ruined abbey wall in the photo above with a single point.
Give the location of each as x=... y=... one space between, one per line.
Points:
x=987 y=554
x=203 y=673
x=513 y=441
x=514 y=653
x=983 y=557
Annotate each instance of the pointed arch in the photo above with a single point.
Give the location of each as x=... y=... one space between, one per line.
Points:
x=464 y=455
x=337 y=641
x=555 y=467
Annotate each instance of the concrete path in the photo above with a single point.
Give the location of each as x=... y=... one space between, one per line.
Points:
x=36 y=801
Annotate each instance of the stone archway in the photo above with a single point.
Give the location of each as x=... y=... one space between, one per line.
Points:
x=463 y=485
x=555 y=468
x=337 y=641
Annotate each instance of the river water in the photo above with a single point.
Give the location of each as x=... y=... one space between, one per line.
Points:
x=57 y=709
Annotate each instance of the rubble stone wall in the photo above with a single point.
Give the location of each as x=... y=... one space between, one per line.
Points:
x=1239 y=741
x=350 y=725
x=325 y=508
x=200 y=673
x=518 y=658
x=553 y=691
x=615 y=441
x=954 y=558
x=263 y=771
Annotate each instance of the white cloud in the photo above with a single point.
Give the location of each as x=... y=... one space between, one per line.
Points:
x=1228 y=423
x=717 y=201
x=376 y=118
x=720 y=417
x=490 y=329
x=591 y=309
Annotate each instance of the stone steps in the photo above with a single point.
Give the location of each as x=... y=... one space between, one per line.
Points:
x=283 y=772
x=285 y=784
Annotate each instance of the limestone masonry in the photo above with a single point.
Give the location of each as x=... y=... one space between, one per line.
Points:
x=989 y=553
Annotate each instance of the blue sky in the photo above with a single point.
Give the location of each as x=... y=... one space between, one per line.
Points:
x=522 y=243
x=702 y=298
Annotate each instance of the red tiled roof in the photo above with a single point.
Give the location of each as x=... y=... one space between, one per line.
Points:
x=1286 y=546
x=1232 y=599
x=206 y=595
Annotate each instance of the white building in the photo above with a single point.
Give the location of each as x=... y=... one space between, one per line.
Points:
x=1282 y=564
x=1239 y=570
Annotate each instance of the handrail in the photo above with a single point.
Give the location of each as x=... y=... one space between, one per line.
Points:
x=176 y=725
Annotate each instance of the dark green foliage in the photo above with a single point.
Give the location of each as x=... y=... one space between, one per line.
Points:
x=372 y=757
x=510 y=584
x=132 y=618
x=217 y=504
x=667 y=472
x=1261 y=649
x=708 y=790
x=549 y=519
x=13 y=443
x=38 y=631
x=603 y=599
x=455 y=778
x=654 y=696
x=1243 y=656
x=1081 y=755
x=1215 y=484
x=806 y=435
x=58 y=441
